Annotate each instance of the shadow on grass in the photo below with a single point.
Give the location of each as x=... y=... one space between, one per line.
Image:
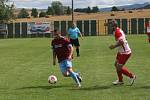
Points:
x=45 y=87
x=93 y=88
x=145 y=87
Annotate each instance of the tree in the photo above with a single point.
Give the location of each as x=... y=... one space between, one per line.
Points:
x=114 y=8
x=88 y=10
x=23 y=13
x=50 y=11
x=42 y=14
x=95 y=9
x=6 y=12
x=123 y=9
x=2 y=1
x=34 y=12
x=68 y=10
x=58 y=7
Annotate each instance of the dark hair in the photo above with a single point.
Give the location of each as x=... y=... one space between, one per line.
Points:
x=113 y=23
x=55 y=30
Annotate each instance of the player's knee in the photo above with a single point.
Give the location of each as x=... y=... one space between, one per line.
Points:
x=116 y=64
x=65 y=75
x=119 y=67
x=77 y=47
x=69 y=70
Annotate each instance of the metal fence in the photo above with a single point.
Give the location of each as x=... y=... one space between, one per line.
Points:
x=87 y=27
x=131 y=26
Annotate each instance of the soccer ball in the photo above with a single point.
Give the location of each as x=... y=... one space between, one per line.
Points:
x=52 y=79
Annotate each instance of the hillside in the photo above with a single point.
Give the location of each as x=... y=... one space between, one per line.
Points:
x=127 y=7
x=141 y=13
x=146 y=7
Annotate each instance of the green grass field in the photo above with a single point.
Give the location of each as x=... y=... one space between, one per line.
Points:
x=25 y=65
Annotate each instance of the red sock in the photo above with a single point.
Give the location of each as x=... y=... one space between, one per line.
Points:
x=119 y=73
x=126 y=72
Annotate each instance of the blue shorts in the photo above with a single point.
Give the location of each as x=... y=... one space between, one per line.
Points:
x=64 y=65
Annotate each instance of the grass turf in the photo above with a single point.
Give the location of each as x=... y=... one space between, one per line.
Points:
x=25 y=65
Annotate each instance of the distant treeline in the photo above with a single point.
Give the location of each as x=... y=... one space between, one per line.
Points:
x=87 y=10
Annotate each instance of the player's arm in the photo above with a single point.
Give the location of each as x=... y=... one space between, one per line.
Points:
x=80 y=34
x=54 y=58
x=54 y=54
x=119 y=43
x=71 y=51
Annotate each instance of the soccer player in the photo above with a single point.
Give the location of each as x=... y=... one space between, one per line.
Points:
x=73 y=36
x=124 y=53
x=148 y=30
x=63 y=50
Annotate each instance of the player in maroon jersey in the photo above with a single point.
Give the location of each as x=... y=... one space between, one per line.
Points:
x=63 y=50
x=124 y=53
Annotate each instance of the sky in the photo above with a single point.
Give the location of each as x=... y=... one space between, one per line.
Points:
x=43 y=4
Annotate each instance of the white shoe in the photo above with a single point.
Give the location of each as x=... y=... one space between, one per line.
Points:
x=79 y=85
x=117 y=82
x=79 y=77
x=131 y=80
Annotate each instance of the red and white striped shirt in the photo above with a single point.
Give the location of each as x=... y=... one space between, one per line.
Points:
x=148 y=27
x=120 y=36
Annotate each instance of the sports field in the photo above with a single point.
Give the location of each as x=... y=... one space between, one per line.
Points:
x=25 y=65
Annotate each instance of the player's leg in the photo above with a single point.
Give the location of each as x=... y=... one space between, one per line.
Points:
x=121 y=62
x=79 y=77
x=119 y=74
x=77 y=51
x=131 y=76
x=77 y=45
x=71 y=41
x=149 y=37
x=74 y=76
x=68 y=72
x=126 y=72
x=63 y=69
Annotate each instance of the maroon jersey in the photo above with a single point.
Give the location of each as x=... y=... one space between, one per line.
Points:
x=61 y=48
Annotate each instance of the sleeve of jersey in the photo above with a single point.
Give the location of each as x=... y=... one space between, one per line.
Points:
x=67 y=42
x=147 y=24
x=118 y=35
